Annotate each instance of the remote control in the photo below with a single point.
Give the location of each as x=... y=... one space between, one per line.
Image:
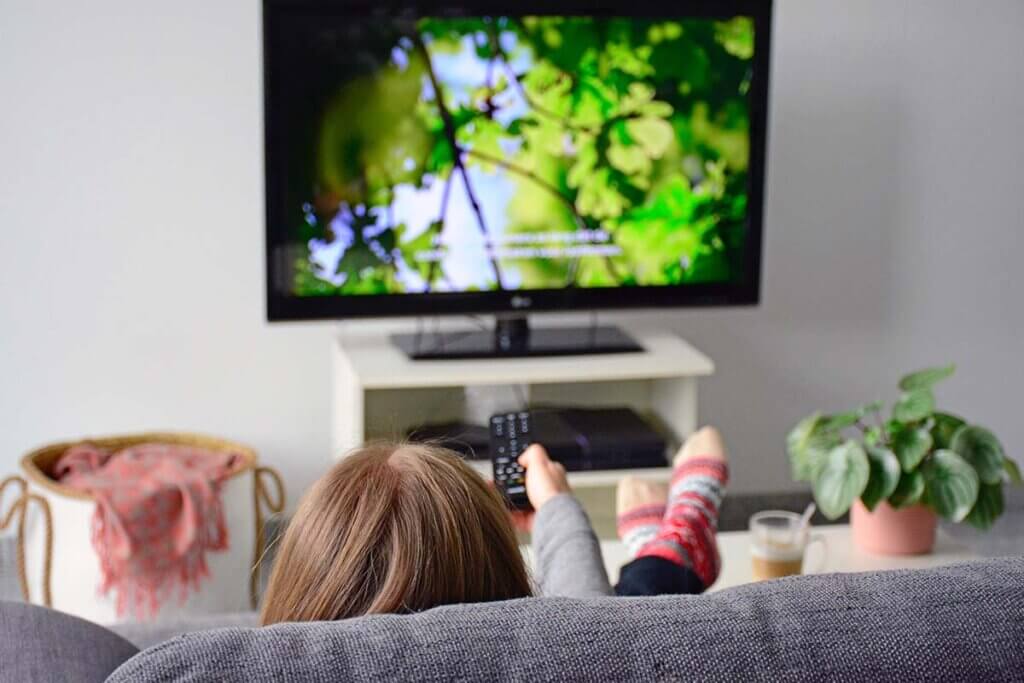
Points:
x=510 y=435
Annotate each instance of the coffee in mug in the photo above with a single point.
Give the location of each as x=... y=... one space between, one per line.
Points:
x=777 y=544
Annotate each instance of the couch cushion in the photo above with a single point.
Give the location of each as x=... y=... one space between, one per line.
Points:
x=40 y=644
x=964 y=622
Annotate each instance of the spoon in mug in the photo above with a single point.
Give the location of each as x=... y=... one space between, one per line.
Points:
x=805 y=521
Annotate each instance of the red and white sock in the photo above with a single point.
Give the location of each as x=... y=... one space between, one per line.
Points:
x=686 y=535
x=639 y=526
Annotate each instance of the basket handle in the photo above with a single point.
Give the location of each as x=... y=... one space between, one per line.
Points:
x=262 y=498
x=19 y=509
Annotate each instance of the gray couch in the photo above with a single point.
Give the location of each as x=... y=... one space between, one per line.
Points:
x=962 y=623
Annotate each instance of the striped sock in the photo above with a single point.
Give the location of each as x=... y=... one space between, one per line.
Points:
x=639 y=526
x=687 y=532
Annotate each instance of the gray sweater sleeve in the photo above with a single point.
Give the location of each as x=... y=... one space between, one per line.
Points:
x=567 y=555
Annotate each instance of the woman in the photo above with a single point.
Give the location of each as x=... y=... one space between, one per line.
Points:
x=403 y=528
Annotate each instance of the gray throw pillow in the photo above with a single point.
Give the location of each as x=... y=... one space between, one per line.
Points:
x=40 y=644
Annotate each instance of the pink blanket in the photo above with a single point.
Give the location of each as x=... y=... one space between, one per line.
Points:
x=158 y=512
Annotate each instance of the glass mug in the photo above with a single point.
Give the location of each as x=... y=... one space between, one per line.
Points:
x=777 y=545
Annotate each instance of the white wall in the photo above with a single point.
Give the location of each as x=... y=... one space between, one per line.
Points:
x=131 y=288
x=131 y=277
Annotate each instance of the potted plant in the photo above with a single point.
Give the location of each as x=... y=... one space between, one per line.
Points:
x=896 y=475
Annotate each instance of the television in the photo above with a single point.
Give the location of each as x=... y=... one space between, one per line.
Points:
x=426 y=158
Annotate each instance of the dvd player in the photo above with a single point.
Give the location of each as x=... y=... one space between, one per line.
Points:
x=597 y=438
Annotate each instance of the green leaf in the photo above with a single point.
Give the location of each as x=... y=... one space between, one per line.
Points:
x=808 y=445
x=926 y=379
x=630 y=159
x=441 y=157
x=654 y=135
x=412 y=247
x=988 y=507
x=736 y=36
x=908 y=491
x=911 y=445
x=914 y=405
x=944 y=428
x=598 y=196
x=840 y=421
x=872 y=407
x=884 y=477
x=982 y=450
x=1012 y=471
x=951 y=485
x=841 y=479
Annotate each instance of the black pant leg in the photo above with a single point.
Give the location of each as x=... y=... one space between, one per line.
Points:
x=657 y=576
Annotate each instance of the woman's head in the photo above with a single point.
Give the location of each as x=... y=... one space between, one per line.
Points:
x=394 y=528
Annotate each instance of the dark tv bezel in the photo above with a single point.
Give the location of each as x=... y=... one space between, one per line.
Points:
x=743 y=292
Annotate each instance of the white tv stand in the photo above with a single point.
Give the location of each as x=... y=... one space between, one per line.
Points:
x=379 y=393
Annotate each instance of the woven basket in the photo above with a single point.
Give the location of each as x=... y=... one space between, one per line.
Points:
x=58 y=567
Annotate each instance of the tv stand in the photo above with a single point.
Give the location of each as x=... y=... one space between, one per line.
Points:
x=512 y=337
x=380 y=393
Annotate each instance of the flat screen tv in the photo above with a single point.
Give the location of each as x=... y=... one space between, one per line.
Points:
x=427 y=158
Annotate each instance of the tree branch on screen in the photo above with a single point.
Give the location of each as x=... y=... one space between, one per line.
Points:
x=581 y=222
x=432 y=269
x=449 y=133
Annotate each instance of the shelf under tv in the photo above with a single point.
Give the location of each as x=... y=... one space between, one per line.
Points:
x=380 y=393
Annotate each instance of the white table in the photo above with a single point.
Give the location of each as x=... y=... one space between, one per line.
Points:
x=841 y=555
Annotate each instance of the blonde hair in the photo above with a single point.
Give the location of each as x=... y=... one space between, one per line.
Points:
x=394 y=528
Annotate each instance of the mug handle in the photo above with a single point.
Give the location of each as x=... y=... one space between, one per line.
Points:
x=812 y=540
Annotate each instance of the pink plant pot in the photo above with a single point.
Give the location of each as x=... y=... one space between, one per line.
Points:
x=888 y=531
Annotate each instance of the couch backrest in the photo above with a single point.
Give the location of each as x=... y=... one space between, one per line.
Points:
x=40 y=644
x=964 y=622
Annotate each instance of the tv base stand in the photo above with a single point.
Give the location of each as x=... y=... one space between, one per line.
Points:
x=512 y=337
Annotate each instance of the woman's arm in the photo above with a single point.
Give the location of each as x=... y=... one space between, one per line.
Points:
x=567 y=555
x=566 y=551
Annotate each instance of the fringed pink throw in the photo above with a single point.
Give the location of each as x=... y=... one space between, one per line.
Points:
x=158 y=512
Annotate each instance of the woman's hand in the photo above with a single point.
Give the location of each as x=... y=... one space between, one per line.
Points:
x=545 y=478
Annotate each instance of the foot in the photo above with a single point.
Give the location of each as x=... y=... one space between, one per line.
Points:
x=634 y=492
x=706 y=442
x=640 y=507
x=686 y=535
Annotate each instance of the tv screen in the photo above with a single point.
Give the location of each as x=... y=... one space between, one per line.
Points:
x=428 y=160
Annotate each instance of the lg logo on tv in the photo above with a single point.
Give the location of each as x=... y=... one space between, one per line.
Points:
x=521 y=302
